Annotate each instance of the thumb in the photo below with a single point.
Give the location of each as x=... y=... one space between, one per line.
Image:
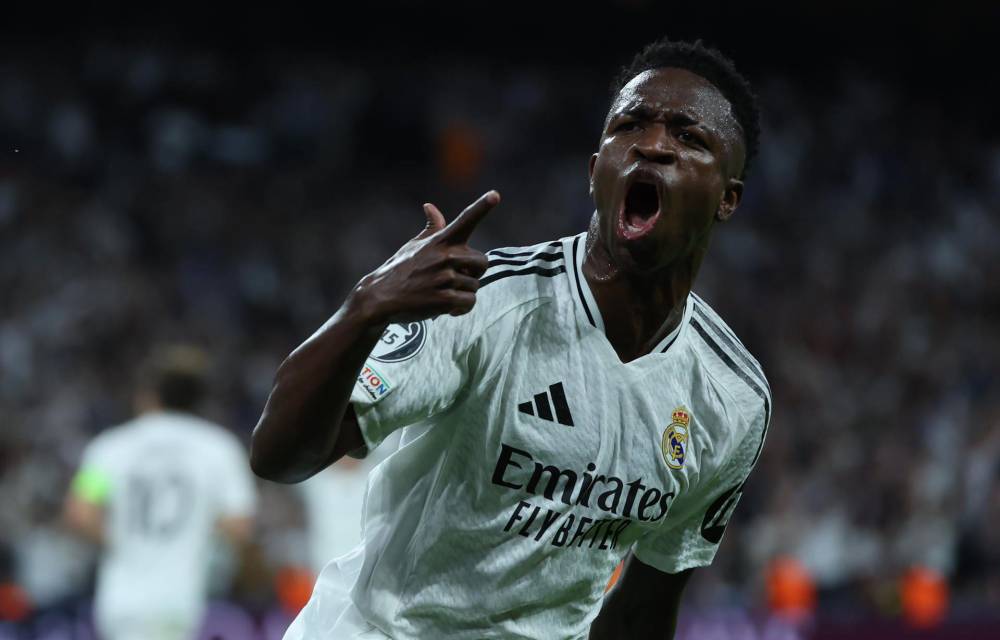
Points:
x=435 y=221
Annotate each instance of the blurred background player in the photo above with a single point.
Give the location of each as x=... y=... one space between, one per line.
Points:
x=152 y=493
x=333 y=502
x=434 y=530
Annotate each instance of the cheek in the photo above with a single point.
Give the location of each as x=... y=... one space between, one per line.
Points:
x=698 y=202
x=604 y=182
x=707 y=185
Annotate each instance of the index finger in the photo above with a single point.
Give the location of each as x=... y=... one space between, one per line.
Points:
x=462 y=227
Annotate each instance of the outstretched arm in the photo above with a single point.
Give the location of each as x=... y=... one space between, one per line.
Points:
x=307 y=422
x=643 y=604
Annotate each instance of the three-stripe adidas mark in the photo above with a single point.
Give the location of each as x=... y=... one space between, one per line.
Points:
x=543 y=403
x=546 y=261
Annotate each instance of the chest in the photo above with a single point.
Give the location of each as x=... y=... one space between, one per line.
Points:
x=570 y=427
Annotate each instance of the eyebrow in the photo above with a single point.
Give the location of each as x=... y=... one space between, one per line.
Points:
x=677 y=118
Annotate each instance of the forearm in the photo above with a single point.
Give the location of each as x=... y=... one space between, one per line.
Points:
x=434 y=273
x=301 y=422
x=643 y=604
x=85 y=520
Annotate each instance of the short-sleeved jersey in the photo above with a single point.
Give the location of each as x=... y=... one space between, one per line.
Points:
x=164 y=480
x=533 y=459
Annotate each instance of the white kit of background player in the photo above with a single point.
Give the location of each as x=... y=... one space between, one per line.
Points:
x=532 y=460
x=165 y=482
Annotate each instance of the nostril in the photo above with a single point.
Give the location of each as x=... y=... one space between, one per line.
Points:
x=656 y=152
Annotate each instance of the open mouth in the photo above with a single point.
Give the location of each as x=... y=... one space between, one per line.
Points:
x=640 y=211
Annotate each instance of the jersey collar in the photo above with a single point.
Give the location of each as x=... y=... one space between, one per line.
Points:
x=576 y=250
x=590 y=314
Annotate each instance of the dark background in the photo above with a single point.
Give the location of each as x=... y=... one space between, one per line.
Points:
x=223 y=175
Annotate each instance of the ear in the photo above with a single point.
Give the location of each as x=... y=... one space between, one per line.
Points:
x=730 y=199
x=593 y=161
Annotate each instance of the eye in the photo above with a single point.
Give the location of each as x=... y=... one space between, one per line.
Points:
x=688 y=137
x=628 y=125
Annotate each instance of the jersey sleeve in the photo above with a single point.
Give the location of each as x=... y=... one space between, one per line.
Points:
x=92 y=482
x=417 y=370
x=237 y=496
x=694 y=539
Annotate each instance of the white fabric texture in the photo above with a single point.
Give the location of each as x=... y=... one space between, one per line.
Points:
x=531 y=459
x=172 y=476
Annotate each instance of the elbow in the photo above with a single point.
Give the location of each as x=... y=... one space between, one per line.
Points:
x=259 y=464
x=267 y=468
x=272 y=451
x=272 y=461
x=265 y=460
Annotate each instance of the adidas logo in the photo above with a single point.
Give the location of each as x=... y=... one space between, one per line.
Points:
x=543 y=403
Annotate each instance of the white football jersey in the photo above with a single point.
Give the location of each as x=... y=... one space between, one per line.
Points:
x=533 y=460
x=164 y=479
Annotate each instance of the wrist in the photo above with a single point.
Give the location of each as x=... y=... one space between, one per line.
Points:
x=362 y=308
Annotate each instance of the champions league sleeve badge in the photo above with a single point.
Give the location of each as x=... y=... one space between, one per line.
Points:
x=674 y=444
x=399 y=342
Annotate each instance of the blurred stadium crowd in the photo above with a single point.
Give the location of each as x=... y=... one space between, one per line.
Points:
x=151 y=194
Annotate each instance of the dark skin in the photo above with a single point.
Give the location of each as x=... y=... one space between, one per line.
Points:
x=676 y=126
x=672 y=128
x=308 y=423
x=675 y=129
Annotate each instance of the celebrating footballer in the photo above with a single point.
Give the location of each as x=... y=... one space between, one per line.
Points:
x=563 y=406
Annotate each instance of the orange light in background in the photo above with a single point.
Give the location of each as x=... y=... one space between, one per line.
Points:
x=923 y=594
x=293 y=586
x=14 y=604
x=791 y=592
x=614 y=576
x=461 y=153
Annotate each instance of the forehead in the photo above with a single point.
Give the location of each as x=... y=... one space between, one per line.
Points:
x=678 y=90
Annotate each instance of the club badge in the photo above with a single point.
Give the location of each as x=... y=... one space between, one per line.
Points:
x=674 y=444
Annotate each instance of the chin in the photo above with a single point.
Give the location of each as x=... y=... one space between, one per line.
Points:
x=640 y=257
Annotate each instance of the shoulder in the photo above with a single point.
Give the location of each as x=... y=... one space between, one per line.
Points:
x=517 y=281
x=520 y=274
x=186 y=434
x=112 y=438
x=212 y=435
x=737 y=374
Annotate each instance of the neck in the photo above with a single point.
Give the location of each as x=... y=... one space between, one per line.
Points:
x=145 y=402
x=639 y=309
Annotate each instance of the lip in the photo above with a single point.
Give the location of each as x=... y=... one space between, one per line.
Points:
x=628 y=230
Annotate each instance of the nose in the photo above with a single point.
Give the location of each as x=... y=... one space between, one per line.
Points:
x=654 y=145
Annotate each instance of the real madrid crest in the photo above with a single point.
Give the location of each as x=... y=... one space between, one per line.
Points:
x=675 y=438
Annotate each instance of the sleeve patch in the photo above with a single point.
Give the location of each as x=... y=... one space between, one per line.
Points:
x=373 y=383
x=92 y=485
x=400 y=342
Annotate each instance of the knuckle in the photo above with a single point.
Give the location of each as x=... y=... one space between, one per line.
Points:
x=461 y=298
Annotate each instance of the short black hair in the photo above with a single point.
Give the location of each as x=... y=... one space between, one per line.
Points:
x=177 y=375
x=714 y=66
